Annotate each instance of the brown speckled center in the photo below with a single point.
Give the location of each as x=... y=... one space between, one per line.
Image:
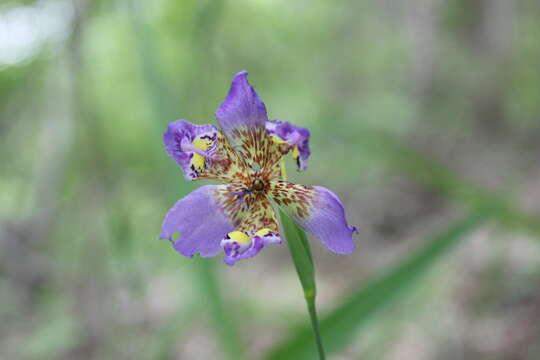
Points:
x=258 y=185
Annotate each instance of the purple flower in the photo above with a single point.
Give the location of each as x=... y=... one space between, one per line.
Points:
x=246 y=155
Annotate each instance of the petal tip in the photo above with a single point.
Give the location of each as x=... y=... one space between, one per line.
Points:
x=240 y=79
x=346 y=248
x=241 y=74
x=242 y=106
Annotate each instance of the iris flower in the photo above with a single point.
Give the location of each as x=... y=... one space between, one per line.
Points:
x=245 y=154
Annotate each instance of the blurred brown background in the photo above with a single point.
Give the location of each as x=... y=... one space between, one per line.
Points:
x=420 y=112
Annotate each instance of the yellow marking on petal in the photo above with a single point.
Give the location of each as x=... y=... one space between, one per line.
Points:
x=295 y=152
x=239 y=236
x=277 y=139
x=197 y=162
x=202 y=144
x=263 y=232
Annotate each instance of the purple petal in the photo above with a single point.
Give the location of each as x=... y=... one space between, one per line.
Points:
x=236 y=251
x=318 y=211
x=242 y=107
x=328 y=222
x=179 y=139
x=199 y=220
x=294 y=136
x=270 y=238
x=242 y=117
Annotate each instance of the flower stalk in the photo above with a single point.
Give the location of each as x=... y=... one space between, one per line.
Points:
x=303 y=263
x=315 y=325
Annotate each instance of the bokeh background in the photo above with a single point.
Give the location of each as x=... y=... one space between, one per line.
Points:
x=425 y=119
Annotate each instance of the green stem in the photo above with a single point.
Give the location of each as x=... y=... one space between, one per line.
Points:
x=315 y=325
x=303 y=263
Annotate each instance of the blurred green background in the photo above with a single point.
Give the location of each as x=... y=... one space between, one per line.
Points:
x=425 y=120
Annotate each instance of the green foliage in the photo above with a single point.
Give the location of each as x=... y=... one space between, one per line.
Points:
x=303 y=262
x=340 y=326
x=301 y=255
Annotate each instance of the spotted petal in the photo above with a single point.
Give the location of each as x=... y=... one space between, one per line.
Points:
x=318 y=211
x=200 y=221
x=295 y=137
x=257 y=229
x=242 y=117
x=202 y=152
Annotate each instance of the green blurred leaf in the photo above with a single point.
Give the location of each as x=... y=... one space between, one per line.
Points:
x=436 y=176
x=220 y=313
x=58 y=331
x=340 y=326
x=159 y=94
x=301 y=254
x=303 y=262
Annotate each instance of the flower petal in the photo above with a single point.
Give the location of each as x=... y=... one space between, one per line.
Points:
x=239 y=245
x=242 y=117
x=200 y=220
x=257 y=229
x=202 y=151
x=296 y=137
x=318 y=211
x=242 y=106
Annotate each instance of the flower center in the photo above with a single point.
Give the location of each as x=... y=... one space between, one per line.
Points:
x=258 y=185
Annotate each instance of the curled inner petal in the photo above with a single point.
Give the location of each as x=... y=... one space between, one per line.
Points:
x=202 y=151
x=295 y=137
x=255 y=222
x=238 y=245
x=268 y=236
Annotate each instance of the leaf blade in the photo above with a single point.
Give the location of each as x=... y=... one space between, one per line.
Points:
x=305 y=268
x=339 y=326
x=301 y=254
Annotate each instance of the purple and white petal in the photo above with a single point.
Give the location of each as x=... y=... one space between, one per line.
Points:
x=296 y=137
x=202 y=152
x=239 y=245
x=236 y=250
x=318 y=211
x=268 y=237
x=200 y=222
x=190 y=145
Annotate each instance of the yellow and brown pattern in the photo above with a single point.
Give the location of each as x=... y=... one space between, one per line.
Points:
x=295 y=198
x=262 y=216
x=248 y=210
x=223 y=163
x=259 y=149
x=234 y=201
